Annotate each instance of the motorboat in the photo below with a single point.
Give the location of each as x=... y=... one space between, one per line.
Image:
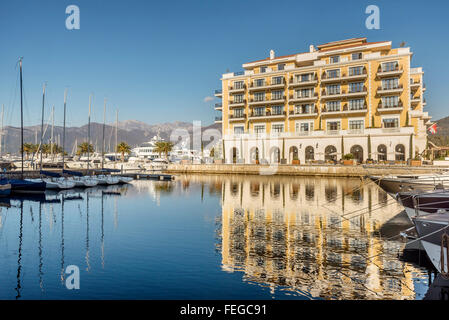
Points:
x=433 y=232
x=106 y=179
x=123 y=179
x=80 y=180
x=411 y=183
x=59 y=183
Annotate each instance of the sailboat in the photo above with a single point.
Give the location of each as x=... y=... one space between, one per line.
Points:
x=22 y=185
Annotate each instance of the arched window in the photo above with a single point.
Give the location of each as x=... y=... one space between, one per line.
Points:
x=330 y=153
x=293 y=153
x=310 y=153
x=357 y=152
x=399 y=152
x=382 y=152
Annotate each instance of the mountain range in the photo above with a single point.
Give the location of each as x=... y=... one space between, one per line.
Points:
x=133 y=132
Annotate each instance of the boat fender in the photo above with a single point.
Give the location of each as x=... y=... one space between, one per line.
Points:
x=444 y=263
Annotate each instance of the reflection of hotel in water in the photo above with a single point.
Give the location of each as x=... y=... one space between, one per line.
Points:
x=304 y=235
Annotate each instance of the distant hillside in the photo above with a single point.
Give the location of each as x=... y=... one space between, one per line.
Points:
x=132 y=131
x=441 y=138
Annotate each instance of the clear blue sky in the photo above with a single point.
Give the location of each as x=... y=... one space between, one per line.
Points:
x=156 y=61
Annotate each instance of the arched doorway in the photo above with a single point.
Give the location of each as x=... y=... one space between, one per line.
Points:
x=330 y=153
x=399 y=152
x=382 y=152
x=357 y=152
x=254 y=154
x=235 y=154
x=275 y=155
x=293 y=154
x=310 y=153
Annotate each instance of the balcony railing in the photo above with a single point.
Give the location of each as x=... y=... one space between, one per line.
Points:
x=353 y=73
x=305 y=97
x=265 y=84
x=218 y=92
x=390 y=89
x=389 y=71
x=218 y=106
x=237 y=88
x=311 y=111
x=294 y=81
x=267 y=114
x=238 y=102
x=240 y=116
x=218 y=118
x=390 y=106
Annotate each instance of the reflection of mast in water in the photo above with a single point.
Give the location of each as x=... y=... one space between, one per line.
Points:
x=115 y=214
x=102 y=230
x=87 y=232
x=19 y=259
x=62 y=238
x=41 y=282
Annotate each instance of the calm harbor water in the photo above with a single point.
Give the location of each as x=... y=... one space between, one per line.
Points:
x=210 y=237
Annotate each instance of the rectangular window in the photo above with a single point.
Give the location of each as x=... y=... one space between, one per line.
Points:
x=238 y=98
x=390 y=102
x=356 y=124
x=238 y=113
x=333 y=73
x=333 y=125
x=356 y=56
x=281 y=66
x=356 y=104
x=263 y=69
x=259 y=129
x=333 y=89
x=259 y=111
x=303 y=108
x=335 y=59
x=333 y=106
x=277 y=95
x=356 y=87
x=239 y=130
x=304 y=93
x=238 y=85
x=277 y=128
x=277 y=80
x=305 y=77
x=355 y=71
x=388 y=84
x=259 y=96
x=259 y=82
x=390 y=66
x=277 y=110
x=391 y=123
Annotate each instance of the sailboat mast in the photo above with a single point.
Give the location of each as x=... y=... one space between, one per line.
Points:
x=104 y=125
x=116 y=132
x=1 y=134
x=21 y=113
x=63 y=131
x=42 y=123
x=52 y=128
x=88 y=133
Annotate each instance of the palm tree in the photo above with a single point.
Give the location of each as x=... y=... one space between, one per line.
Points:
x=163 y=147
x=27 y=148
x=123 y=148
x=46 y=149
x=85 y=148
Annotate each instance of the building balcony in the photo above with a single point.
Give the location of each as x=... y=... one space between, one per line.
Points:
x=327 y=79
x=415 y=84
x=294 y=114
x=390 y=90
x=266 y=85
x=266 y=101
x=332 y=132
x=355 y=75
x=240 y=103
x=310 y=97
x=389 y=72
x=267 y=115
x=218 y=106
x=390 y=109
x=355 y=131
x=298 y=83
x=237 y=117
x=218 y=93
x=415 y=100
x=218 y=119
x=236 y=89
x=343 y=94
x=345 y=110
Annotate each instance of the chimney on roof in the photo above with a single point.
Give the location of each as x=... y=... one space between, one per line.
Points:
x=311 y=48
x=271 y=54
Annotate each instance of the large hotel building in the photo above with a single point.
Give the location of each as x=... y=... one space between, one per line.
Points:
x=349 y=96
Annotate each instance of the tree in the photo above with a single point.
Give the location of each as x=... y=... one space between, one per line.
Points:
x=45 y=149
x=163 y=147
x=84 y=148
x=123 y=148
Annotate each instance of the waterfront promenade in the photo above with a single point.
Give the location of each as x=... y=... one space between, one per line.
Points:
x=302 y=170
